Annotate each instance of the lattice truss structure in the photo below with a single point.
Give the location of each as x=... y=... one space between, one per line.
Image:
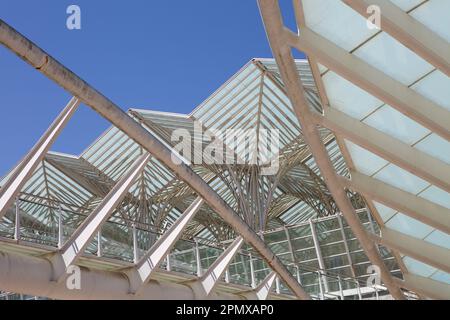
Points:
x=385 y=95
x=253 y=99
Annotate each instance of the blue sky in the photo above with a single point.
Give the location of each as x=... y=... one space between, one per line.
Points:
x=158 y=54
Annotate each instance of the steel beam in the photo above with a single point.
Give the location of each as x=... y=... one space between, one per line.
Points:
x=410 y=32
x=81 y=238
x=391 y=149
x=161 y=248
x=413 y=206
x=55 y=71
x=276 y=33
x=433 y=255
x=10 y=190
x=354 y=69
x=209 y=280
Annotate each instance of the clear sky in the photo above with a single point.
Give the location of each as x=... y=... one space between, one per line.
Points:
x=151 y=54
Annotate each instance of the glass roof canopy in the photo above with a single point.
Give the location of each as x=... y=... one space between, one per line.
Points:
x=338 y=23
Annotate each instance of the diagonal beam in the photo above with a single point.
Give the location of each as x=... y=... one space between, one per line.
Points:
x=206 y=283
x=372 y=80
x=81 y=238
x=28 y=165
x=418 y=249
x=161 y=248
x=408 y=31
x=263 y=290
x=276 y=33
x=428 y=287
x=55 y=71
x=418 y=208
x=393 y=150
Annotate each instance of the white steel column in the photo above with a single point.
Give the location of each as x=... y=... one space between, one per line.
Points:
x=29 y=163
x=433 y=255
x=75 y=246
x=347 y=250
x=341 y=291
x=289 y=242
x=318 y=251
x=205 y=285
x=372 y=80
x=428 y=287
x=198 y=260
x=99 y=243
x=409 y=31
x=419 y=163
x=161 y=248
x=33 y=276
x=54 y=70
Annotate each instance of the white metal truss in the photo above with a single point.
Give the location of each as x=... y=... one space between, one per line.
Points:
x=29 y=163
x=408 y=31
x=277 y=35
x=349 y=71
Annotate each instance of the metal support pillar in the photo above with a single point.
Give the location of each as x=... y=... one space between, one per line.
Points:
x=358 y=287
x=198 y=260
x=289 y=241
x=277 y=285
x=280 y=41
x=341 y=291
